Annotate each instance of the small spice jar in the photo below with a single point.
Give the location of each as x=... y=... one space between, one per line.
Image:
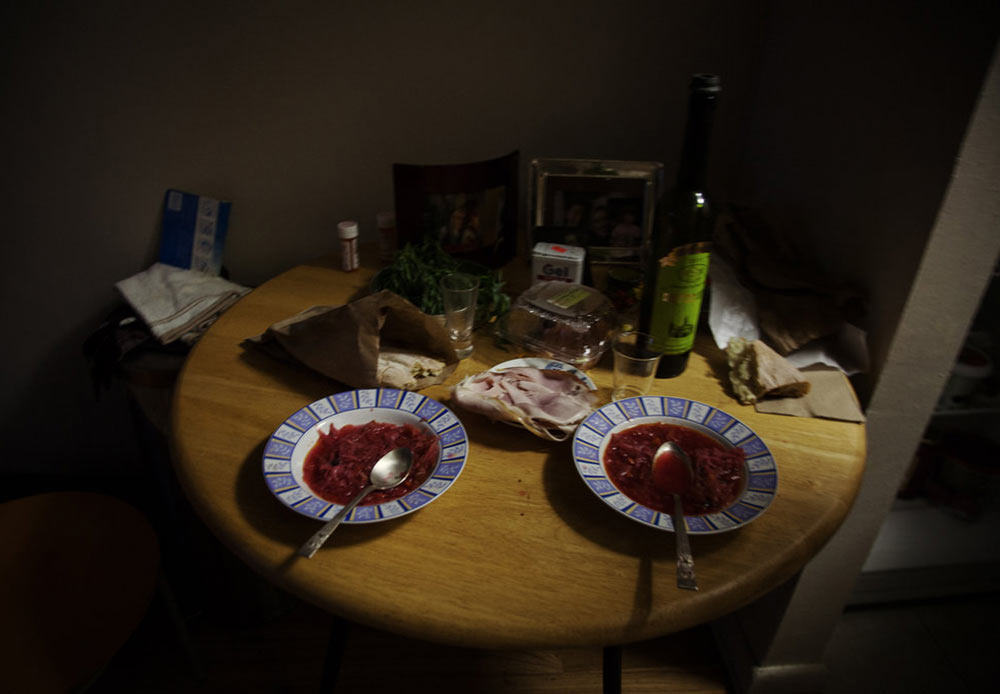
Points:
x=348 y=233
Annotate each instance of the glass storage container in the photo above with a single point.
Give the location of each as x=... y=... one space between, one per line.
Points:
x=566 y=321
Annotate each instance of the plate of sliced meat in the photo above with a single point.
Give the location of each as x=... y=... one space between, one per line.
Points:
x=548 y=398
x=544 y=363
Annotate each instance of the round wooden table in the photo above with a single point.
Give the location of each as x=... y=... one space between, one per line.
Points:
x=519 y=553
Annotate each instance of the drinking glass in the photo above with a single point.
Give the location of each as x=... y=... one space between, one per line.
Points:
x=459 y=292
x=636 y=359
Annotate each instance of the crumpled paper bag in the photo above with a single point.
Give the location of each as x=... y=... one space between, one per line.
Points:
x=830 y=397
x=763 y=289
x=345 y=342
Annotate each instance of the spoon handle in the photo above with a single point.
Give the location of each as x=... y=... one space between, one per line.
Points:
x=318 y=539
x=685 y=562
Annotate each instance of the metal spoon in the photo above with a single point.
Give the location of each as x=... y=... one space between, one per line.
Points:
x=672 y=472
x=390 y=471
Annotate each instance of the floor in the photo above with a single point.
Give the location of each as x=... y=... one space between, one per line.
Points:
x=944 y=646
x=261 y=640
x=287 y=655
x=243 y=635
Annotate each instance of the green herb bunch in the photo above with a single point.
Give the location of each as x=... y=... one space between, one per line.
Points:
x=415 y=274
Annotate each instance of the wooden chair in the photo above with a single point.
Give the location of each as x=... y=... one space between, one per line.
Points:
x=77 y=573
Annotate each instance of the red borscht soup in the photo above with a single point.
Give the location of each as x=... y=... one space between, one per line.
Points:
x=338 y=465
x=719 y=471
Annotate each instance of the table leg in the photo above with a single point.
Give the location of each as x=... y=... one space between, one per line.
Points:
x=612 y=670
x=340 y=629
x=166 y=595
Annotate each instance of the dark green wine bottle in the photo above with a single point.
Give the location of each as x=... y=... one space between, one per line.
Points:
x=678 y=255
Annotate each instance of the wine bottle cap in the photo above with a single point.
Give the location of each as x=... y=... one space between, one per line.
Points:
x=706 y=83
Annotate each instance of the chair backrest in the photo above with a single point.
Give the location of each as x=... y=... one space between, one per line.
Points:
x=77 y=573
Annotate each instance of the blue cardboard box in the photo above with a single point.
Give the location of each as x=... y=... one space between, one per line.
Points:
x=194 y=231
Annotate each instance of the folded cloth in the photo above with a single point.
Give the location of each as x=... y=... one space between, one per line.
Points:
x=176 y=303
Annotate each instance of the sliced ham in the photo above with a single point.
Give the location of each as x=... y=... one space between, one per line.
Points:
x=547 y=402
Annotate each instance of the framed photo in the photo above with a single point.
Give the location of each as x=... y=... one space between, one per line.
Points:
x=605 y=206
x=471 y=209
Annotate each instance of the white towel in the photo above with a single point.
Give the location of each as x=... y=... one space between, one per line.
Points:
x=178 y=303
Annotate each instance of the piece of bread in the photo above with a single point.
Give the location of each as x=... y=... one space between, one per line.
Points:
x=757 y=371
x=408 y=371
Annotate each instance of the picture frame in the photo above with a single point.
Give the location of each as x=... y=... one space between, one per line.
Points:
x=470 y=208
x=607 y=207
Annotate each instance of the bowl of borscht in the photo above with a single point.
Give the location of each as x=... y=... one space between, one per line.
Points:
x=321 y=456
x=735 y=476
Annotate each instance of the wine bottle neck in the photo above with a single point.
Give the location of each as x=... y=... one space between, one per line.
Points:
x=693 y=170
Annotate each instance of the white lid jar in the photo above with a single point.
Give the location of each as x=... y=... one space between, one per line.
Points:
x=347 y=230
x=348 y=233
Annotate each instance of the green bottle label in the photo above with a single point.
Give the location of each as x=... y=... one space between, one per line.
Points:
x=680 y=283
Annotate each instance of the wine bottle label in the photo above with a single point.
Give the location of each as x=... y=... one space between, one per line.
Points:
x=680 y=284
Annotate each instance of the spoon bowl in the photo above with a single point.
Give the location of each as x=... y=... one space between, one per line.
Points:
x=672 y=469
x=673 y=474
x=391 y=470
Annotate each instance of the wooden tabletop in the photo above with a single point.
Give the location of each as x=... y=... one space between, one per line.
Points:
x=519 y=553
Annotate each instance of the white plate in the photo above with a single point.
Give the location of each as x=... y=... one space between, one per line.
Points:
x=543 y=363
x=593 y=435
x=286 y=450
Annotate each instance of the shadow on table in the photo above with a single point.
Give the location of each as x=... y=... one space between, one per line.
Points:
x=294 y=376
x=580 y=508
x=271 y=518
x=274 y=520
x=718 y=368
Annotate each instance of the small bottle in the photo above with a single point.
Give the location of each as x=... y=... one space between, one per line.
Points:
x=348 y=233
x=677 y=264
x=385 y=222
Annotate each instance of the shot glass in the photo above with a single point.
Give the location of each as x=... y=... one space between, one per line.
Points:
x=459 y=292
x=636 y=359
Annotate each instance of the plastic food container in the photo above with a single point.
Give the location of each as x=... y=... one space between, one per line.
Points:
x=565 y=321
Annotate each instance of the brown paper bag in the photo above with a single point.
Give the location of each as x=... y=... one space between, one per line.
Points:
x=830 y=397
x=366 y=343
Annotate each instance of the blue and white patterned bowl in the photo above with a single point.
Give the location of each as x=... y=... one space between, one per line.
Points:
x=286 y=450
x=594 y=433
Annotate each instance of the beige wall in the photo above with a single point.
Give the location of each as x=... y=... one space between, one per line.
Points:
x=963 y=243
x=846 y=120
x=295 y=112
x=861 y=110
x=859 y=147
